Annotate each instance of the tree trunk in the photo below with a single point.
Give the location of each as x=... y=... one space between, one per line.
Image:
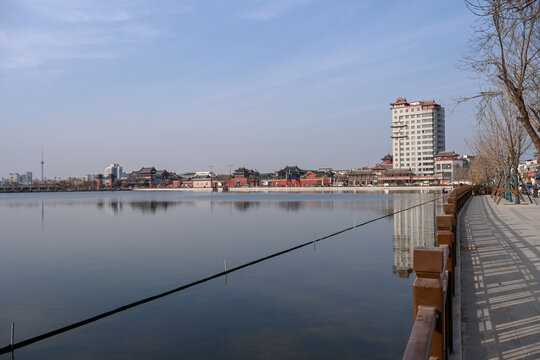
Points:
x=535 y=138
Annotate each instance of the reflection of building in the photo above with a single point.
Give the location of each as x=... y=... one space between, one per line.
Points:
x=114 y=207
x=412 y=228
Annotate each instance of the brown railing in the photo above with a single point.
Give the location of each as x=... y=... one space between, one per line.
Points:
x=433 y=289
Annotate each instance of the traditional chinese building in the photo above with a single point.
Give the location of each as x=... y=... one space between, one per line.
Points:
x=149 y=176
x=362 y=177
x=202 y=182
x=245 y=177
x=396 y=177
x=294 y=176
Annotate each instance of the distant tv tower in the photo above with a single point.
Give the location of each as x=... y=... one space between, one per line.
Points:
x=42 y=162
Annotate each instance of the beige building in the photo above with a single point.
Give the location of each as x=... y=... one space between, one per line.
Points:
x=418 y=133
x=202 y=182
x=451 y=168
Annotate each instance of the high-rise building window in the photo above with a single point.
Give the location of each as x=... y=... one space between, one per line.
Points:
x=430 y=138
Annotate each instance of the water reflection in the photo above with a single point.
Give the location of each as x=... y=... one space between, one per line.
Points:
x=412 y=228
x=150 y=206
x=415 y=227
x=114 y=207
x=103 y=250
x=246 y=205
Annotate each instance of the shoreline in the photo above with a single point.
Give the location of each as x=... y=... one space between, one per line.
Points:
x=308 y=189
x=300 y=189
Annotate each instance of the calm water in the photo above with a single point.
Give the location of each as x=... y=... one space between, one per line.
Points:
x=68 y=256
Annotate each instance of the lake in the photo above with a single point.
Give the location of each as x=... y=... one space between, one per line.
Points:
x=68 y=256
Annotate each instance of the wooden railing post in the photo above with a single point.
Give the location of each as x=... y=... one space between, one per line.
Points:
x=428 y=263
x=446 y=235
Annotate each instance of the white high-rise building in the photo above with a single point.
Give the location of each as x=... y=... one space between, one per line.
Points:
x=418 y=134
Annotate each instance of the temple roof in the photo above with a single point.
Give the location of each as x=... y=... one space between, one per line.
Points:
x=146 y=170
x=447 y=154
x=400 y=101
x=361 y=172
x=399 y=171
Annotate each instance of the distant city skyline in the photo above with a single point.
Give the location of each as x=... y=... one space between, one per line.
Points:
x=185 y=85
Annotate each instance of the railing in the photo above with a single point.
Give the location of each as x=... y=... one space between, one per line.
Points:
x=433 y=289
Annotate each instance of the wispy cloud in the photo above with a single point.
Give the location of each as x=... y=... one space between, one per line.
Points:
x=80 y=11
x=82 y=29
x=272 y=9
x=33 y=48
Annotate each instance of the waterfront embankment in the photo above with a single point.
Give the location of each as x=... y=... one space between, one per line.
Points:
x=500 y=273
x=320 y=189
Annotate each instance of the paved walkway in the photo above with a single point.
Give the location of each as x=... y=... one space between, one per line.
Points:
x=500 y=280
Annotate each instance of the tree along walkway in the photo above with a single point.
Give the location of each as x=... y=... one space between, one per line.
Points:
x=500 y=280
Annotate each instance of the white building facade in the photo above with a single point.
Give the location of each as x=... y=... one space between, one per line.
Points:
x=418 y=133
x=451 y=168
x=25 y=178
x=114 y=169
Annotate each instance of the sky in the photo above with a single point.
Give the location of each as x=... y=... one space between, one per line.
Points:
x=182 y=85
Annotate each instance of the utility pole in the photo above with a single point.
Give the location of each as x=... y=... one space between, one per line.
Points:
x=212 y=176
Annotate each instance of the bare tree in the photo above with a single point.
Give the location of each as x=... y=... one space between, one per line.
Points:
x=505 y=55
x=499 y=140
x=483 y=171
x=462 y=175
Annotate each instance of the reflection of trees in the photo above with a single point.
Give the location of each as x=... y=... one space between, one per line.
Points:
x=152 y=206
x=246 y=205
x=291 y=205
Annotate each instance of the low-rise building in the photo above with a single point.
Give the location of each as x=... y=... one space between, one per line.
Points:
x=530 y=171
x=400 y=176
x=451 y=168
x=362 y=177
x=245 y=177
x=25 y=178
x=149 y=176
x=294 y=176
x=13 y=177
x=202 y=182
x=90 y=177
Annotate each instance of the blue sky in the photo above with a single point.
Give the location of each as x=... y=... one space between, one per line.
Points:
x=186 y=84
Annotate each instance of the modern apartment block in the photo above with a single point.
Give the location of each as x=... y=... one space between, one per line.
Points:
x=21 y=178
x=418 y=134
x=114 y=169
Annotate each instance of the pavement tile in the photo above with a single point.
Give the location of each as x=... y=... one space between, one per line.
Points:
x=500 y=280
